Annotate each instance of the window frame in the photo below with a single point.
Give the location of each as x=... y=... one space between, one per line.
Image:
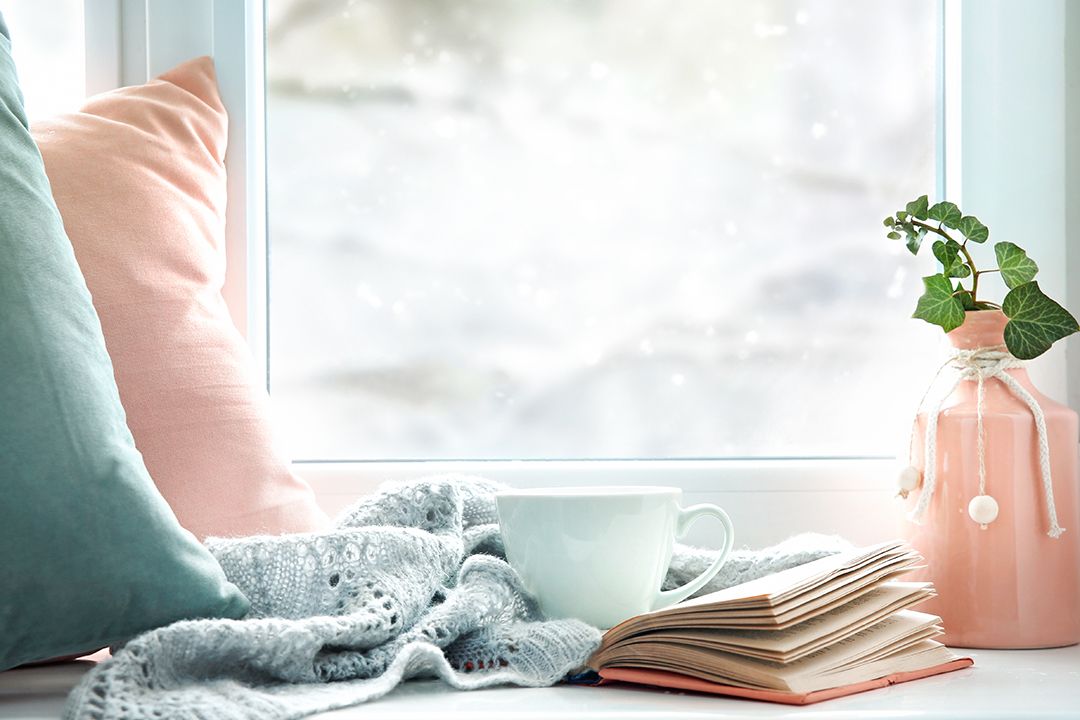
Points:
x=984 y=47
x=130 y=41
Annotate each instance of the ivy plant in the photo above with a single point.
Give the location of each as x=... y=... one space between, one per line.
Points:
x=1035 y=321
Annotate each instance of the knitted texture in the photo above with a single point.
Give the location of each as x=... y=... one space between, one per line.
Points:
x=409 y=583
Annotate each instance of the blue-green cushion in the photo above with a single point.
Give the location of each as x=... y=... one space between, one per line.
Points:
x=90 y=553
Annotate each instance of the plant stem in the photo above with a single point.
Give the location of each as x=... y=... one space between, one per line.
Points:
x=974 y=274
x=963 y=248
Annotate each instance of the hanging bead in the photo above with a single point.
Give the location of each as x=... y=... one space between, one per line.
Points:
x=983 y=509
x=908 y=479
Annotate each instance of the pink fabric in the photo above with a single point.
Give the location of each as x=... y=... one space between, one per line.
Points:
x=139 y=177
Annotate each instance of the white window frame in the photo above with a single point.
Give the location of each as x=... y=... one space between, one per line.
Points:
x=989 y=49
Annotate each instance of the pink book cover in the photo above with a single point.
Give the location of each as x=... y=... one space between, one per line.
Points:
x=683 y=682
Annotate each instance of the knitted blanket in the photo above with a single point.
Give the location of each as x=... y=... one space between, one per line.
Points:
x=410 y=583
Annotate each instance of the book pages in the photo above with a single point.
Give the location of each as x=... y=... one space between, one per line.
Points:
x=841 y=620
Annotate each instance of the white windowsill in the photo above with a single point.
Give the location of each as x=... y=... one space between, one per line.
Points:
x=1003 y=685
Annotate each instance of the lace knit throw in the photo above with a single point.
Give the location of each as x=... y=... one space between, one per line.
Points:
x=411 y=583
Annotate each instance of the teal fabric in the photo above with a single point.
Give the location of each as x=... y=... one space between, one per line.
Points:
x=90 y=553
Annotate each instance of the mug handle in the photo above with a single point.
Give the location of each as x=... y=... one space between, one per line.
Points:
x=687 y=516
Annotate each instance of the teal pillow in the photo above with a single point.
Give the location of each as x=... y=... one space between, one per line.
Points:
x=90 y=553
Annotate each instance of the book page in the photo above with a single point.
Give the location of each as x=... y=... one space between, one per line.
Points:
x=918 y=656
x=850 y=576
x=890 y=634
x=772 y=586
x=875 y=644
x=843 y=578
x=923 y=655
x=790 y=644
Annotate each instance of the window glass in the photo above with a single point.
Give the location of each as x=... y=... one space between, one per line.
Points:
x=49 y=48
x=596 y=228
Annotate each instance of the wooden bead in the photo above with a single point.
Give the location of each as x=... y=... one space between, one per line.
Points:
x=983 y=509
x=908 y=479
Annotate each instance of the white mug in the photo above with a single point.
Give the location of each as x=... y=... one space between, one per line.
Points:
x=600 y=554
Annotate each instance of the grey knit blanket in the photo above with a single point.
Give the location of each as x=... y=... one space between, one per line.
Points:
x=410 y=583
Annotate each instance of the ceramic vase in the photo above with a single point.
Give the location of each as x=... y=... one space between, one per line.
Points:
x=1006 y=584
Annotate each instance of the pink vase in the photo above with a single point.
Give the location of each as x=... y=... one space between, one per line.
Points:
x=1008 y=585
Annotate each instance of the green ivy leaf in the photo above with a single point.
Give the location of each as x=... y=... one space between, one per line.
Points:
x=901 y=216
x=1016 y=267
x=889 y=222
x=970 y=227
x=914 y=237
x=948 y=254
x=894 y=235
x=919 y=207
x=965 y=299
x=938 y=305
x=945 y=254
x=946 y=213
x=1035 y=321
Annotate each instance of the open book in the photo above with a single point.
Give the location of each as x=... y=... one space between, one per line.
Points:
x=832 y=627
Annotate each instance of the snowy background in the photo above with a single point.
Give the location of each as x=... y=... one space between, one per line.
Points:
x=596 y=228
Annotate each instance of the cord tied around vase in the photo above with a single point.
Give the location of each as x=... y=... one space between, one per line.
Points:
x=980 y=365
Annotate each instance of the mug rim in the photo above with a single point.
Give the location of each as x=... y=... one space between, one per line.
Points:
x=588 y=491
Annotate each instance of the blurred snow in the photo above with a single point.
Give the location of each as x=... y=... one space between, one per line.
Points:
x=49 y=48
x=596 y=228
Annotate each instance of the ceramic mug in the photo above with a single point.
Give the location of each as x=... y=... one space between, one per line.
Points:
x=600 y=554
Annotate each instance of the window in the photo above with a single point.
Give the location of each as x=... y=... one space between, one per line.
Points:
x=595 y=228
x=862 y=358
x=49 y=50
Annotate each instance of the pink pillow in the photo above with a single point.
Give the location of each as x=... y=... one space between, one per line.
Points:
x=139 y=177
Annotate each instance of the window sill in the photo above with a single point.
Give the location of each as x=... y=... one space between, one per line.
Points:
x=1003 y=684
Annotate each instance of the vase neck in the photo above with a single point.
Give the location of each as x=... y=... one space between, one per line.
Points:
x=985 y=329
x=981 y=329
